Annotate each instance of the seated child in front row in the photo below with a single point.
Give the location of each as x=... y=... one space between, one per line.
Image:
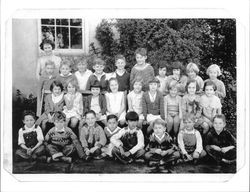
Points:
x=53 y=102
x=111 y=129
x=161 y=149
x=92 y=137
x=61 y=142
x=190 y=141
x=30 y=139
x=128 y=142
x=220 y=143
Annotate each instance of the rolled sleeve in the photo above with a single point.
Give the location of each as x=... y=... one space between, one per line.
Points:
x=140 y=143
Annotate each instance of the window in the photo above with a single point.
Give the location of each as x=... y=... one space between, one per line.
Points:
x=66 y=33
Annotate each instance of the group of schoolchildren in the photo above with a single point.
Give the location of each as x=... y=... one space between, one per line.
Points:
x=140 y=117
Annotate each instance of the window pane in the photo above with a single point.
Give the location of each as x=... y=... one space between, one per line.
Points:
x=48 y=21
x=62 y=22
x=76 y=38
x=48 y=33
x=62 y=37
x=76 y=22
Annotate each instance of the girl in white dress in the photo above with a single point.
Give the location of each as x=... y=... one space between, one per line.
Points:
x=116 y=101
x=74 y=105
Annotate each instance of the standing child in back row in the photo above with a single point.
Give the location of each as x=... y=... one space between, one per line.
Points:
x=142 y=69
x=162 y=77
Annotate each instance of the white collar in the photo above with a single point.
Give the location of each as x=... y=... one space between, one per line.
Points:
x=160 y=138
x=64 y=75
x=62 y=130
x=56 y=99
x=31 y=128
x=111 y=132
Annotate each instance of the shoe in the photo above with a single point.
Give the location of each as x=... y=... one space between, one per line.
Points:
x=66 y=159
x=48 y=160
x=139 y=160
x=195 y=161
x=153 y=163
x=228 y=161
x=130 y=160
x=42 y=159
x=162 y=162
x=98 y=157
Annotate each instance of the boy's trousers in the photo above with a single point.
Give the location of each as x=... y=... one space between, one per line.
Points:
x=39 y=151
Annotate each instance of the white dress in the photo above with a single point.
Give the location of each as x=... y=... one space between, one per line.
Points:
x=74 y=105
x=136 y=103
x=82 y=79
x=114 y=100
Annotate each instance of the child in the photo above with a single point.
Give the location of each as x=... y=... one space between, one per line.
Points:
x=192 y=72
x=65 y=74
x=142 y=69
x=61 y=142
x=111 y=129
x=161 y=149
x=116 y=101
x=128 y=142
x=135 y=100
x=53 y=102
x=47 y=46
x=162 y=77
x=178 y=77
x=96 y=102
x=98 y=75
x=74 y=105
x=210 y=104
x=152 y=104
x=220 y=144
x=30 y=139
x=213 y=71
x=83 y=74
x=190 y=141
x=46 y=78
x=172 y=109
x=191 y=102
x=92 y=137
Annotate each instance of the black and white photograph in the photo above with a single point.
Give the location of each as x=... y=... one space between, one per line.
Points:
x=124 y=95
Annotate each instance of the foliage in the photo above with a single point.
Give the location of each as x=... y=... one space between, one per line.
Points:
x=203 y=41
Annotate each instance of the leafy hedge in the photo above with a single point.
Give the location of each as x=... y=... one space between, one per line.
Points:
x=203 y=41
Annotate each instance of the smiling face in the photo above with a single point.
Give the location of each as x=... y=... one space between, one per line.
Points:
x=191 y=89
x=95 y=91
x=71 y=88
x=56 y=91
x=188 y=124
x=132 y=124
x=98 y=69
x=112 y=124
x=218 y=124
x=173 y=91
x=47 y=48
x=140 y=60
x=90 y=119
x=120 y=64
x=159 y=130
x=65 y=70
x=137 y=87
x=212 y=74
x=176 y=72
x=29 y=121
x=209 y=90
x=49 y=69
x=82 y=66
x=153 y=86
x=162 y=72
x=59 y=124
x=191 y=74
x=113 y=85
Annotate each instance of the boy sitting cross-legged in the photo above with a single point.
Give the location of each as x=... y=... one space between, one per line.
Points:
x=129 y=141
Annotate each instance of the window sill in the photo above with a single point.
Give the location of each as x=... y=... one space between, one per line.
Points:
x=68 y=51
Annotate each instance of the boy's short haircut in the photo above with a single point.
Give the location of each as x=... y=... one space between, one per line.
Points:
x=49 y=62
x=189 y=117
x=192 y=67
x=132 y=116
x=138 y=79
x=59 y=115
x=192 y=81
x=159 y=122
x=96 y=84
x=177 y=65
x=47 y=41
x=99 y=61
x=81 y=59
x=73 y=82
x=90 y=112
x=171 y=85
x=65 y=62
x=112 y=116
x=210 y=83
x=162 y=64
x=221 y=116
x=117 y=57
x=214 y=67
x=141 y=51
x=28 y=112
x=56 y=83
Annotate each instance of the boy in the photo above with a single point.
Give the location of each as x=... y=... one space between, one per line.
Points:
x=129 y=142
x=92 y=137
x=161 y=149
x=142 y=69
x=30 y=139
x=220 y=144
x=162 y=77
x=190 y=141
x=61 y=141
x=98 y=75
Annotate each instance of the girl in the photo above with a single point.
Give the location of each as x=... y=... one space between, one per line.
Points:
x=191 y=102
x=172 y=109
x=192 y=72
x=210 y=104
x=74 y=105
x=47 y=46
x=213 y=71
x=162 y=77
x=135 y=100
x=177 y=77
x=116 y=101
x=53 y=102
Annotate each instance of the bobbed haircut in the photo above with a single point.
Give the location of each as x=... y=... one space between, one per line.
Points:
x=47 y=41
x=99 y=61
x=132 y=116
x=171 y=85
x=120 y=56
x=214 y=67
x=49 y=62
x=177 y=65
x=192 y=81
x=192 y=67
x=73 y=82
x=90 y=112
x=189 y=116
x=141 y=51
x=56 y=83
x=28 y=112
x=210 y=83
x=59 y=115
x=159 y=122
x=138 y=79
x=112 y=116
x=81 y=60
x=162 y=64
x=221 y=116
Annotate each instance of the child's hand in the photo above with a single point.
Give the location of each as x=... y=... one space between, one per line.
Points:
x=196 y=155
x=98 y=116
x=158 y=151
x=87 y=152
x=121 y=150
x=163 y=153
x=188 y=157
x=216 y=148
x=127 y=154
x=93 y=149
x=29 y=151
x=224 y=149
